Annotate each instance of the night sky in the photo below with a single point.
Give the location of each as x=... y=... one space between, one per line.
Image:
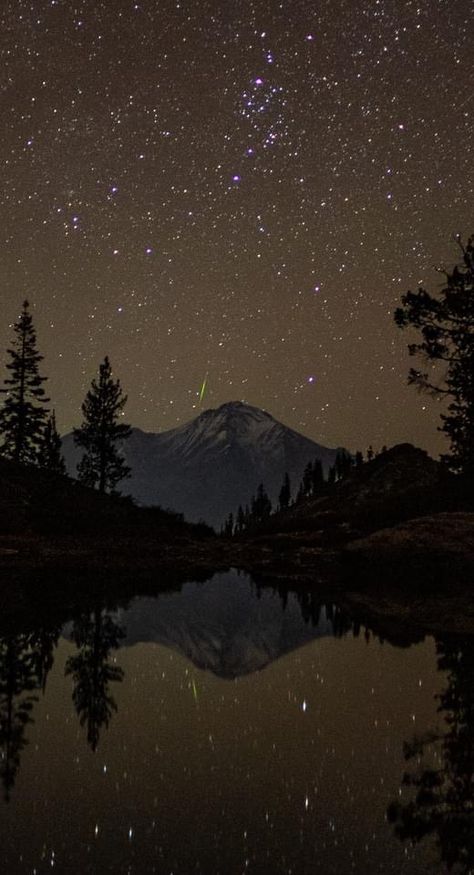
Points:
x=241 y=190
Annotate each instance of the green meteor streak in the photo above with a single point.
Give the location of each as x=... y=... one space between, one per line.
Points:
x=203 y=389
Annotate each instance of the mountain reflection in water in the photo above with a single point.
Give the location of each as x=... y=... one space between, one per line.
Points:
x=241 y=737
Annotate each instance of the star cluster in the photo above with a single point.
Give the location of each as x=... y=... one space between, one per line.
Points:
x=235 y=190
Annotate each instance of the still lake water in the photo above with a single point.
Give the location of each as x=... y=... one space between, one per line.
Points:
x=226 y=729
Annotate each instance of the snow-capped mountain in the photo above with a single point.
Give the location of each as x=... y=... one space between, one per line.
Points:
x=209 y=466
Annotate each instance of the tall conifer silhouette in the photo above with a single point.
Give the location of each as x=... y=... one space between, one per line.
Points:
x=51 y=456
x=102 y=466
x=24 y=410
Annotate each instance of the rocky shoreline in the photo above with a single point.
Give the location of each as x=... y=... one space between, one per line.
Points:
x=395 y=538
x=416 y=575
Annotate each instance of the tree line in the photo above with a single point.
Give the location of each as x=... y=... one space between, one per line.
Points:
x=28 y=431
x=313 y=483
x=444 y=323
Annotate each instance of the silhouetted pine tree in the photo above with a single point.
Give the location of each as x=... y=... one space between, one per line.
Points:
x=343 y=464
x=102 y=466
x=446 y=345
x=285 y=493
x=51 y=456
x=23 y=413
x=240 y=524
x=307 y=482
x=317 y=480
x=359 y=459
x=300 y=493
x=228 y=527
x=313 y=480
x=261 y=506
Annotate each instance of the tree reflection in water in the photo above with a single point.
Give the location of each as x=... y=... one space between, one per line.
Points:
x=95 y=635
x=443 y=805
x=25 y=661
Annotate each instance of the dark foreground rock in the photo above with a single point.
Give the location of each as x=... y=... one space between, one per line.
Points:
x=399 y=484
x=439 y=547
x=47 y=520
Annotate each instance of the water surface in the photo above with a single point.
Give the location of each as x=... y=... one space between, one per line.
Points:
x=227 y=729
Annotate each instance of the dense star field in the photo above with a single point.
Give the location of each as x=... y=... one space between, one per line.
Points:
x=228 y=199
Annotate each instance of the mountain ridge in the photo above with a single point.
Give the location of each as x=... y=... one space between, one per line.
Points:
x=211 y=464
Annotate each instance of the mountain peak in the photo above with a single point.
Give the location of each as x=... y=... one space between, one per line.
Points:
x=233 y=423
x=237 y=408
x=208 y=466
